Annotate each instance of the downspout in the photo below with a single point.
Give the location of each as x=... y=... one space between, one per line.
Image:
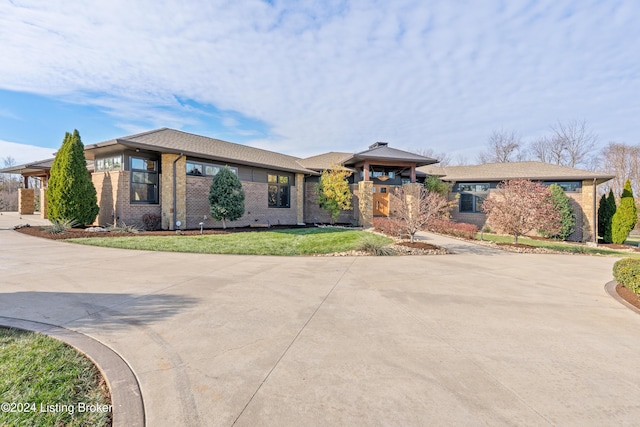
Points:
x=595 y=215
x=175 y=191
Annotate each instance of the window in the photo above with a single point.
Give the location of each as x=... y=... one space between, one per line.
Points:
x=109 y=163
x=278 y=191
x=205 y=169
x=567 y=186
x=472 y=196
x=144 y=180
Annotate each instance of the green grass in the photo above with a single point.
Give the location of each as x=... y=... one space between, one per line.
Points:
x=37 y=373
x=300 y=241
x=557 y=246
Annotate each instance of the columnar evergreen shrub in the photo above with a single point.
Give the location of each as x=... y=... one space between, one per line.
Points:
x=226 y=197
x=71 y=194
x=625 y=217
x=627 y=273
x=608 y=210
x=562 y=204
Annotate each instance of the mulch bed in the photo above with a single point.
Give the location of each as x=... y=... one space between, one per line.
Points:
x=628 y=295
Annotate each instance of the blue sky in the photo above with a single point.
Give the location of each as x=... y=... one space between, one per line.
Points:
x=306 y=77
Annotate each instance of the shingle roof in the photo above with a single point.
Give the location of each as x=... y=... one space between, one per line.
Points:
x=171 y=140
x=384 y=152
x=515 y=170
x=325 y=161
x=35 y=167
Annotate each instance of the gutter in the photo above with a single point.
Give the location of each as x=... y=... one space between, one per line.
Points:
x=175 y=191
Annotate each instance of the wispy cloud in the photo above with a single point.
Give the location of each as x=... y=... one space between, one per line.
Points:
x=336 y=75
x=23 y=153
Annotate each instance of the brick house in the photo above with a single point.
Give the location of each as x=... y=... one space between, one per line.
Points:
x=472 y=184
x=169 y=172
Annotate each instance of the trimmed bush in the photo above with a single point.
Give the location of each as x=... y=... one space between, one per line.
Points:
x=456 y=229
x=567 y=217
x=151 y=221
x=71 y=194
x=625 y=217
x=627 y=273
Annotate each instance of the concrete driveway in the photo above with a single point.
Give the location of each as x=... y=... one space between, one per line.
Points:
x=467 y=339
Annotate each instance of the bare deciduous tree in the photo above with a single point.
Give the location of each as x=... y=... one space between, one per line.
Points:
x=520 y=206
x=502 y=147
x=623 y=161
x=9 y=185
x=576 y=140
x=443 y=158
x=415 y=207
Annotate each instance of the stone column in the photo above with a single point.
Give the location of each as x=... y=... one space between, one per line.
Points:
x=365 y=203
x=26 y=201
x=167 y=188
x=412 y=191
x=300 y=198
x=43 y=203
x=588 y=210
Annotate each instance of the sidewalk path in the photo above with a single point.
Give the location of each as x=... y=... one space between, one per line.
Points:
x=457 y=246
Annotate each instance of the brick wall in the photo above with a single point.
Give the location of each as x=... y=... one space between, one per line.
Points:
x=112 y=189
x=26 y=201
x=313 y=213
x=256 y=209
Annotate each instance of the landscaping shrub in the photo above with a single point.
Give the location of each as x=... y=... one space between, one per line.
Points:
x=627 y=273
x=389 y=226
x=226 y=197
x=451 y=228
x=59 y=226
x=70 y=193
x=373 y=246
x=606 y=210
x=151 y=221
x=567 y=217
x=626 y=216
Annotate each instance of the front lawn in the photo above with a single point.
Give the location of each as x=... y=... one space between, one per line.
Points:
x=559 y=246
x=299 y=241
x=44 y=382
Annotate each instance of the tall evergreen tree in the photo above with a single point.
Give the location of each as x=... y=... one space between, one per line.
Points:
x=567 y=217
x=626 y=216
x=70 y=194
x=226 y=197
x=611 y=210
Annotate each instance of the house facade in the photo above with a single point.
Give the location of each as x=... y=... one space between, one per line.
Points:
x=471 y=185
x=168 y=173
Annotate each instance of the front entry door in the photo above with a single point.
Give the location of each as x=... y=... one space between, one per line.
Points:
x=380 y=200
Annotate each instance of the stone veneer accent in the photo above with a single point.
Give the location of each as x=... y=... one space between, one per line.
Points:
x=166 y=190
x=300 y=196
x=43 y=203
x=365 y=203
x=26 y=201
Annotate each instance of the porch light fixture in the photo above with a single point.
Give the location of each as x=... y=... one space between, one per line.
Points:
x=383 y=177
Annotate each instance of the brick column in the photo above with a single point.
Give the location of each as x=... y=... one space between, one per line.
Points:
x=365 y=203
x=300 y=198
x=26 y=201
x=167 y=188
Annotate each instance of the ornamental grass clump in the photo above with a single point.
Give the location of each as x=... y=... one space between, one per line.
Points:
x=373 y=246
x=59 y=226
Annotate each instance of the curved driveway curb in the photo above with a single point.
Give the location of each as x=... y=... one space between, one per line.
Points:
x=610 y=287
x=126 y=398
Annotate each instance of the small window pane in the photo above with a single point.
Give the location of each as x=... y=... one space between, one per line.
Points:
x=272 y=178
x=284 y=197
x=273 y=195
x=211 y=170
x=194 y=168
x=284 y=179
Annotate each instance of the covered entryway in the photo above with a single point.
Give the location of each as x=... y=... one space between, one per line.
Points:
x=381 y=200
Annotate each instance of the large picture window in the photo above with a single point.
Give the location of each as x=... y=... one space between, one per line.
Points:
x=279 y=191
x=144 y=180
